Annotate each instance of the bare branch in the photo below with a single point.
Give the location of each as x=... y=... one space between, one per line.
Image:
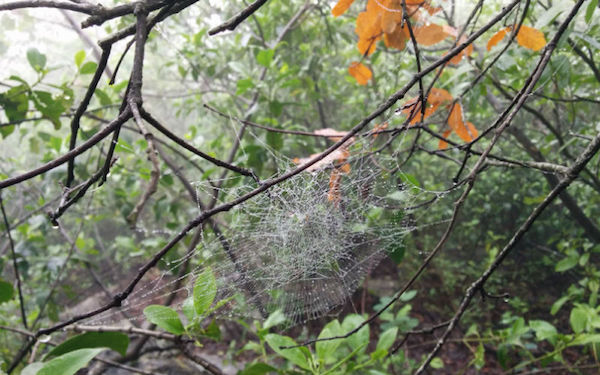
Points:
x=234 y=21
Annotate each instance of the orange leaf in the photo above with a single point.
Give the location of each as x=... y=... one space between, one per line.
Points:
x=361 y=73
x=451 y=31
x=442 y=144
x=367 y=46
x=416 y=112
x=334 y=195
x=397 y=39
x=430 y=34
x=531 y=38
x=438 y=96
x=392 y=16
x=472 y=131
x=434 y=99
x=368 y=23
x=378 y=128
x=368 y=29
x=339 y=155
x=334 y=135
x=496 y=38
x=466 y=131
x=431 y=9
x=341 y=7
x=467 y=51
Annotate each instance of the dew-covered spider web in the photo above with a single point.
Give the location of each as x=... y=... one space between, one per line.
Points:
x=303 y=247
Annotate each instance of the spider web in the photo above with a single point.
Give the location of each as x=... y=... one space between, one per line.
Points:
x=303 y=247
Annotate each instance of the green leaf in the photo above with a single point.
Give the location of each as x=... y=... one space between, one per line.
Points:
x=15 y=103
x=276 y=107
x=378 y=354
x=589 y=11
x=387 y=338
x=36 y=59
x=566 y=263
x=69 y=363
x=578 y=319
x=188 y=308
x=116 y=341
x=244 y=85
x=558 y=304
x=408 y=295
x=164 y=317
x=584 y=259
x=213 y=331
x=342 y=361
x=584 y=339
x=103 y=97
x=32 y=368
x=50 y=107
x=543 y=330
x=265 y=57
x=88 y=68
x=277 y=317
x=275 y=140
x=295 y=355
x=79 y=57
x=437 y=363
x=257 y=369
x=326 y=349
x=6 y=291
x=360 y=338
x=479 y=359
x=205 y=290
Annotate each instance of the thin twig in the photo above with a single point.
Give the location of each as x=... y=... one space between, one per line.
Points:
x=234 y=21
x=15 y=266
